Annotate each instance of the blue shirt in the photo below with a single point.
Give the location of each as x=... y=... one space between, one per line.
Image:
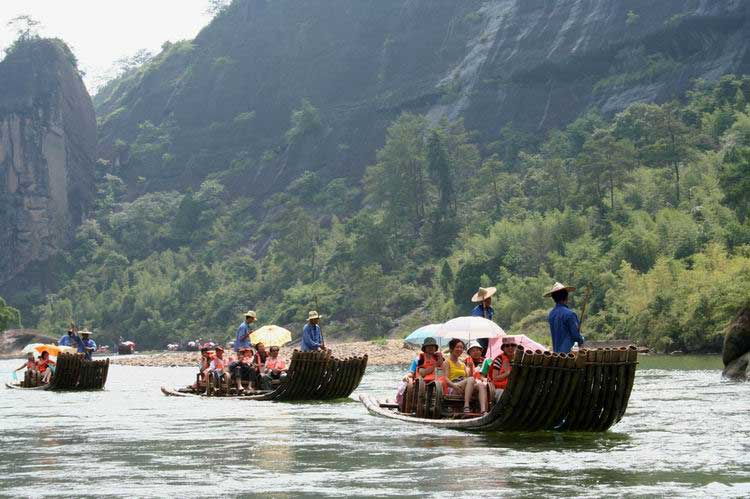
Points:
x=83 y=345
x=243 y=336
x=312 y=338
x=563 y=326
x=413 y=366
x=65 y=341
x=480 y=311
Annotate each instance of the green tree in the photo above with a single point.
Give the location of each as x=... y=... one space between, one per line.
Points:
x=735 y=180
x=398 y=181
x=605 y=163
x=9 y=316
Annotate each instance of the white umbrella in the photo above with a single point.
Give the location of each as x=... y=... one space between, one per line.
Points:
x=470 y=328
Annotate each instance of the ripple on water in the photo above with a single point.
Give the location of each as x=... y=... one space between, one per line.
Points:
x=685 y=433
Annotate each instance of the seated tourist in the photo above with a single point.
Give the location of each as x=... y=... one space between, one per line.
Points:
x=203 y=366
x=412 y=372
x=458 y=378
x=430 y=360
x=273 y=369
x=29 y=365
x=261 y=355
x=475 y=360
x=243 y=369
x=44 y=366
x=217 y=367
x=500 y=368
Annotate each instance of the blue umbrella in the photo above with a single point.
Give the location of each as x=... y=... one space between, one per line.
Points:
x=418 y=336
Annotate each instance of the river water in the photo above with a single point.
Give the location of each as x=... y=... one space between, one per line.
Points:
x=686 y=433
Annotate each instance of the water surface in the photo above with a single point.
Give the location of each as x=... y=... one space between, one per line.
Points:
x=686 y=433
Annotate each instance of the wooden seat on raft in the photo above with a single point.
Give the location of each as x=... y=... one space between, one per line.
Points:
x=32 y=379
x=427 y=400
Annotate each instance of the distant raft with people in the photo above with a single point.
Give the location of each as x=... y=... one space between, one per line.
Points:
x=584 y=391
x=314 y=375
x=72 y=373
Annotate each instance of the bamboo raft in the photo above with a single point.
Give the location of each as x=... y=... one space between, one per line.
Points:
x=311 y=376
x=587 y=391
x=72 y=373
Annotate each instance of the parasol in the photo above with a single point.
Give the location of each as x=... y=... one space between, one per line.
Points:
x=417 y=337
x=494 y=348
x=469 y=328
x=271 y=336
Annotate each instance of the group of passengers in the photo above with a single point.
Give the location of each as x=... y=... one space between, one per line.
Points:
x=259 y=367
x=44 y=366
x=464 y=376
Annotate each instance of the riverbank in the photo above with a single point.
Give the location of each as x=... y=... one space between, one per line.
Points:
x=388 y=353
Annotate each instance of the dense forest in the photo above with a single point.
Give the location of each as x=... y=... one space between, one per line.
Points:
x=649 y=205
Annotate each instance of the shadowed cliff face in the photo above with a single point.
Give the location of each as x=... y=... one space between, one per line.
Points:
x=47 y=147
x=536 y=63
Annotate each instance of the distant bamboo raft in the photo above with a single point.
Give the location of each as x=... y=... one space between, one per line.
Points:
x=588 y=391
x=318 y=376
x=73 y=373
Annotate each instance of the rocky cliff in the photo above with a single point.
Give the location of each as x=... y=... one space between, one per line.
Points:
x=47 y=150
x=226 y=97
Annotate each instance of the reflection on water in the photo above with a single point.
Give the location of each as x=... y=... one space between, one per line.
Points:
x=685 y=433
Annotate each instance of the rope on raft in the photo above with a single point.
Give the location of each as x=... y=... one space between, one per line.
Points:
x=318 y=376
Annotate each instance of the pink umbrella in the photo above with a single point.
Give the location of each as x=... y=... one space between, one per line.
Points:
x=493 y=350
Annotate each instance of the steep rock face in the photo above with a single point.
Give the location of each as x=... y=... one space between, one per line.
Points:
x=535 y=63
x=47 y=147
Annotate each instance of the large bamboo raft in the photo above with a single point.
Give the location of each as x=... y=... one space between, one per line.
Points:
x=311 y=376
x=587 y=391
x=72 y=373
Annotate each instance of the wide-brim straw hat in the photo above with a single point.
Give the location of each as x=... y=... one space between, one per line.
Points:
x=86 y=332
x=313 y=315
x=251 y=313
x=558 y=287
x=429 y=341
x=483 y=293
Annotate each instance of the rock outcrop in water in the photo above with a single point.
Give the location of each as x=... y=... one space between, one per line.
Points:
x=47 y=150
x=736 y=353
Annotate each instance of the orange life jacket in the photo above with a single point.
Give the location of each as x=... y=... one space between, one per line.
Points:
x=504 y=367
x=42 y=365
x=425 y=363
x=218 y=364
x=476 y=370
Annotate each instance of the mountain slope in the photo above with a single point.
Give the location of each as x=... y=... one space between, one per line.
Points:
x=535 y=64
x=47 y=148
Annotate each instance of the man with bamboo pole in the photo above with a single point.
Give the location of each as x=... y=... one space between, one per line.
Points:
x=564 y=325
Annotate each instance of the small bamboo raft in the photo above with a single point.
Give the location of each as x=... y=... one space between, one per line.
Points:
x=311 y=376
x=587 y=391
x=72 y=373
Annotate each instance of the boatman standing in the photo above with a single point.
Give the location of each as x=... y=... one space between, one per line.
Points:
x=484 y=297
x=67 y=339
x=86 y=345
x=312 y=337
x=244 y=332
x=564 y=326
